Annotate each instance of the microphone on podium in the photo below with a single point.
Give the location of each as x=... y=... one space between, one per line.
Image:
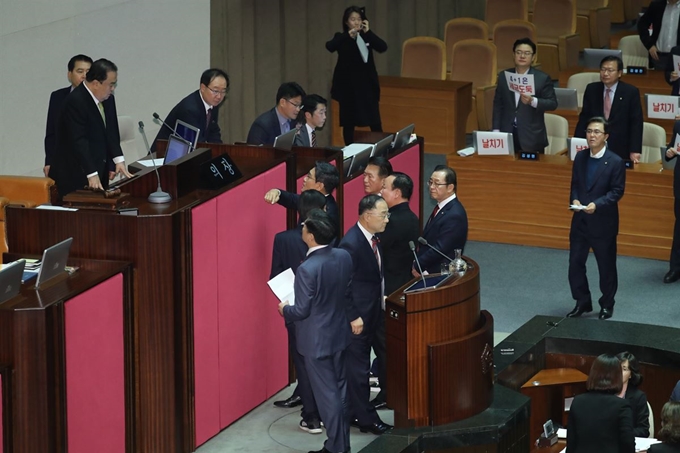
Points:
x=412 y=246
x=158 y=196
x=423 y=241
x=156 y=116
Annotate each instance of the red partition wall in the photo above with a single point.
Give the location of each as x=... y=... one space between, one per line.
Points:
x=94 y=358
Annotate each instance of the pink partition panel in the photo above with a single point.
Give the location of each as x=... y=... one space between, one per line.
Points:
x=354 y=192
x=252 y=343
x=409 y=162
x=1 y=426
x=95 y=387
x=206 y=333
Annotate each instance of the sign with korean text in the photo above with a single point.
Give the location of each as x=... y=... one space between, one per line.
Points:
x=661 y=106
x=575 y=145
x=521 y=83
x=493 y=143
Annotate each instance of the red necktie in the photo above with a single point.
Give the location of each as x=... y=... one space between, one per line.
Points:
x=207 y=118
x=607 y=102
x=434 y=213
x=313 y=139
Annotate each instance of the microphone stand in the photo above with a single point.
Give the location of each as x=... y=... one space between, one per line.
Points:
x=158 y=196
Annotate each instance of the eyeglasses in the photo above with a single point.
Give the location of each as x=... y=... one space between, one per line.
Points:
x=519 y=53
x=594 y=132
x=217 y=92
x=309 y=176
x=608 y=70
x=297 y=106
x=382 y=216
x=435 y=183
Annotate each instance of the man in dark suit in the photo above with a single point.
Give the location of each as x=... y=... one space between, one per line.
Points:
x=200 y=109
x=288 y=252
x=87 y=133
x=447 y=226
x=280 y=119
x=664 y=26
x=324 y=177
x=523 y=115
x=402 y=228
x=618 y=103
x=672 y=153
x=313 y=118
x=365 y=308
x=672 y=73
x=323 y=334
x=597 y=183
x=77 y=70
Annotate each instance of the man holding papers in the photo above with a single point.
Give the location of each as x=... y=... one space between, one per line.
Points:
x=522 y=97
x=323 y=332
x=672 y=153
x=597 y=184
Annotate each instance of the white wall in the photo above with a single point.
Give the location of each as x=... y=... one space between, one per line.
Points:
x=160 y=47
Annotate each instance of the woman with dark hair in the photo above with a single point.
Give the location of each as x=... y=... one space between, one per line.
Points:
x=669 y=434
x=632 y=378
x=599 y=421
x=355 y=79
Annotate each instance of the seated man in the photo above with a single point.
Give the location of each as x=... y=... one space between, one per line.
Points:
x=280 y=119
x=200 y=109
x=314 y=112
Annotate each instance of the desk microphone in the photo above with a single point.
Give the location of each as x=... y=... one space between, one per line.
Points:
x=423 y=241
x=412 y=246
x=155 y=115
x=158 y=196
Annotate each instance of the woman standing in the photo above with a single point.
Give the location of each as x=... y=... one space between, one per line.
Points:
x=630 y=369
x=355 y=79
x=599 y=421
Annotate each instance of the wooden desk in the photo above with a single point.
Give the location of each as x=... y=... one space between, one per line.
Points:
x=526 y=203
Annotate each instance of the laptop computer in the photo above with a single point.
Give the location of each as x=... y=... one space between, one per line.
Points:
x=187 y=132
x=347 y=165
x=10 y=280
x=593 y=57
x=567 y=98
x=285 y=141
x=402 y=137
x=668 y=165
x=381 y=148
x=53 y=261
x=177 y=147
x=360 y=161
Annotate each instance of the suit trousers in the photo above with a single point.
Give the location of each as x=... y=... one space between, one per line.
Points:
x=328 y=380
x=604 y=249
x=380 y=350
x=358 y=360
x=675 y=248
x=303 y=388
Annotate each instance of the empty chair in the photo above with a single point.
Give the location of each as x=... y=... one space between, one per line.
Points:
x=651 y=420
x=474 y=60
x=505 y=34
x=499 y=10
x=557 y=128
x=462 y=28
x=634 y=52
x=24 y=191
x=580 y=81
x=653 y=138
x=423 y=57
x=625 y=10
x=557 y=41
x=132 y=149
x=593 y=23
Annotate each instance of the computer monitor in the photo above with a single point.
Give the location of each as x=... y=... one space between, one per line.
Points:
x=53 y=261
x=347 y=165
x=593 y=57
x=360 y=161
x=402 y=137
x=10 y=280
x=567 y=98
x=285 y=141
x=381 y=148
x=187 y=132
x=177 y=147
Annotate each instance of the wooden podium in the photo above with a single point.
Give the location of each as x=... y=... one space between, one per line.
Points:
x=439 y=353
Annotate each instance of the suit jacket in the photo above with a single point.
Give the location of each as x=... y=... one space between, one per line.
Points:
x=57 y=99
x=191 y=110
x=321 y=290
x=366 y=279
x=302 y=137
x=530 y=121
x=653 y=17
x=265 y=129
x=675 y=394
x=290 y=200
x=675 y=86
x=664 y=448
x=676 y=171
x=289 y=251
x=402 y=228
x=638 y=403
x=84 y=144
x=605 y=191
x=600 y=423
x=447 y=232
x=625 y=118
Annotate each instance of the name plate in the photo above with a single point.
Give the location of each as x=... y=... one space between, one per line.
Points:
x=493 y=143
x=219 y=172
x=662 y=107
x=575 y=145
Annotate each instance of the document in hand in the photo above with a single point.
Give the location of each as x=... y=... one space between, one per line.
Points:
x=282 y=286
x=579 y=207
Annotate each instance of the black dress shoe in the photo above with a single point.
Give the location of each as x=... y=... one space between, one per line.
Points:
x=374 y=428
x=293 y=401
x=671 y=276
x=606 y=313
x=578 y=311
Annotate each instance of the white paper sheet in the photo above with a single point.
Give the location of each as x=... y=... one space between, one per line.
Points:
x=283 y=286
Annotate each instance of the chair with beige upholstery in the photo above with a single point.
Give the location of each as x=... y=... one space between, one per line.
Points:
x=580 y=81
x=423 y=57
x=625 y=10
x=653 y=138
x=505 y=34
x=593 y=23
x=25 y=191
x=557 y=41
x=474 y=60
x=634 y=52
x=132 y=148
x=499 y=10
x=557 y=128
x=459 y=29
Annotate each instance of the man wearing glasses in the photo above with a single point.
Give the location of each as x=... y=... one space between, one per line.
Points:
x=200 y=109
x=597 y=182
x=523 y=114
x=619 y=104
x=281 y=118
x=447 y=227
